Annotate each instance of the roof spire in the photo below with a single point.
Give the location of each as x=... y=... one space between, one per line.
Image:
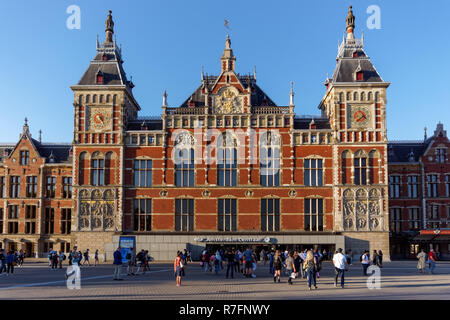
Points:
x=350 y=23
x=25 y=129
x=165 y=98
x=425 y=133
x=40 y=136
x=109 y=27
x=228 y=59
x=291 y=94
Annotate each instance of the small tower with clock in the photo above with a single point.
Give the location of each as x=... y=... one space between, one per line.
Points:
x=103 y=106
x=355 y=102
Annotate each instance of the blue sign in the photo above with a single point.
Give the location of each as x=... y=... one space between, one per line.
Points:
x=126 y=243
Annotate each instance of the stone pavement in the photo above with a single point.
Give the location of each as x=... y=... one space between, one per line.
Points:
x=399 y=280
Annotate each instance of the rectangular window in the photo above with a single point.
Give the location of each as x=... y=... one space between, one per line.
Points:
x=360 y=165
x=414 y=218
x=142 y=173
x=67 y=187
x=394 y=187
x=270 y=167
x=270 y=214
x=98 y=172
x=13 y=227
x=313 y=215
x=313 y=172
x=184 y=169
x=413 y=186
x=1 y=220
x=432 y=185
x=227 y=215
x=14 y=188
x=184 y=214
x=2 y=187
x=31 y=191
x=13 y=212
x=24 y=158
x=49 y=220
x=50 y=187
x=447 y=185
x=227 y=167
x=396 y=219
x=142 y=214
x=440 y=155
x=30 y=219
x=66 y=220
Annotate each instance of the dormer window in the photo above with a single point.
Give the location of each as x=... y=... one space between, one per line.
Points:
x=359 y=76
x=99 y=79
x=104 y=57
x=355 y=54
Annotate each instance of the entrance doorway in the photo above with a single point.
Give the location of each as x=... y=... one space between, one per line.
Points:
x=29 y=249
x=11 y=246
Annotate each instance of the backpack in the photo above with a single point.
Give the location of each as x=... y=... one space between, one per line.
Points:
x=360 y=258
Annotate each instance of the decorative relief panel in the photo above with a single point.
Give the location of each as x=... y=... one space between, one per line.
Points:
x=99 y=119
x=362 y=209
x=97 y=210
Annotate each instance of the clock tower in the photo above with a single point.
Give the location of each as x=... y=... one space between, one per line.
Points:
x=103 y=106
x=355 y=102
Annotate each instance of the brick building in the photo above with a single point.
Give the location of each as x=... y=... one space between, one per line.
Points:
x=227 y=167
x=419 y=195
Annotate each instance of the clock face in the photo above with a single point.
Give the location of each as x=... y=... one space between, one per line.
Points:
x=228 y=102
x=100 y=119
x=359 y=116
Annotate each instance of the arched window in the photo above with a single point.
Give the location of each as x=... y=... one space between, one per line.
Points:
x=363 y=96
x=88 y=98
x=349 y=95
x=83 y=167
x=115 y=99
x=98 y=169
x=341 y=97
x=108 y=97
x=377 y=96
x=226 y=160
x=184 y=160
x=269 y=158
x=355 y=96
x=360 y=168
x=80 y=99
x=94 y=98
x=369 y=96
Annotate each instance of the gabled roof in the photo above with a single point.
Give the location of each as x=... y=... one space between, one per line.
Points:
x=400 y=151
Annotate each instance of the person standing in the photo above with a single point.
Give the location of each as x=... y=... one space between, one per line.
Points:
x=290 y=267
x=3 y=261
x=230 y=263
x=177 y=265
x=271 y=268
x=117 y=264
x=365 y=262
x=422 y=256
x=277 y=265
x=432 y=260
x=237 y=267
x=54 y=259
x=96 y=261
x=310 y=266
x=86 y=258
x=340 y=266
x=21 y=258
x=248 y=255
x=131 y=257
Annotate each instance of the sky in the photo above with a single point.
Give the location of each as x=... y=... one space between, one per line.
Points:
x=166 y=43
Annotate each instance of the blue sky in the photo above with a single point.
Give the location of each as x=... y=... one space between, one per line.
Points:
x=166 y=43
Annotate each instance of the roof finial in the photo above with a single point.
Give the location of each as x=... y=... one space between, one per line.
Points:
x=291 y=94
x=254 y=73
x=109 y=27
x=425 y=133
x=202 y=74
x=350 y=23
x=40 y=136
x=165 y=98
x=228 y=42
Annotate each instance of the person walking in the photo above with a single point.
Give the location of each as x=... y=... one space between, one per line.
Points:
x=86 y=258
x=3 y=261
x=237 y=267
x=277 y=265
x=11 y=261
x=131 y=257
x=61 y=258
x=248 y=255
x=365 y=262
x=117 y=264
x=432 y=260
x=310 y=266
x=290 y=267
x=54 y=260
x=422 y=256
x=271 y=268
x=340 y=266
x=177 y=265
x=375 y=258
x=230 y=257
x=96 y=261
x=21 y=258
x=380 y=258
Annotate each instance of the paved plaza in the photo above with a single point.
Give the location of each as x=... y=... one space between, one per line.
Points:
x=399 y=280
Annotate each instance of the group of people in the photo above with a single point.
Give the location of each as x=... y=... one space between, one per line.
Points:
x=237 y=261
x=9 y=260
x=136 y=263
x=376 y=260
x=425 y=259
x=56 y=258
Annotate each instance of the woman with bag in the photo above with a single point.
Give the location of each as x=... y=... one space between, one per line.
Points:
x=310 y=266
x=277 y=265
x=290 y=267
x=177 y=265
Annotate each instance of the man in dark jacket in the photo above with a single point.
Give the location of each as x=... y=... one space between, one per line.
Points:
x=117 y=264
x=230 y=263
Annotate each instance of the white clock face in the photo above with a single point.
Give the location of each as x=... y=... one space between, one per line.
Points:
x=228 y=102
x=359 y=116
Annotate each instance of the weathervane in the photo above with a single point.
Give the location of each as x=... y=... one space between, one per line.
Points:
x=226 y=23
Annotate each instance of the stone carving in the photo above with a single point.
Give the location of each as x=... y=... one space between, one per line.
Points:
x=361 y=210
x=97 y=210
x=292 y=193
x=184 y=139
x=206 y=193
x=249 y=193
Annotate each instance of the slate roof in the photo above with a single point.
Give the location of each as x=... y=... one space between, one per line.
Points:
x=302 y=123
x=60 y=152
x=258 y=98
x=399 y=151
x=141 y=124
